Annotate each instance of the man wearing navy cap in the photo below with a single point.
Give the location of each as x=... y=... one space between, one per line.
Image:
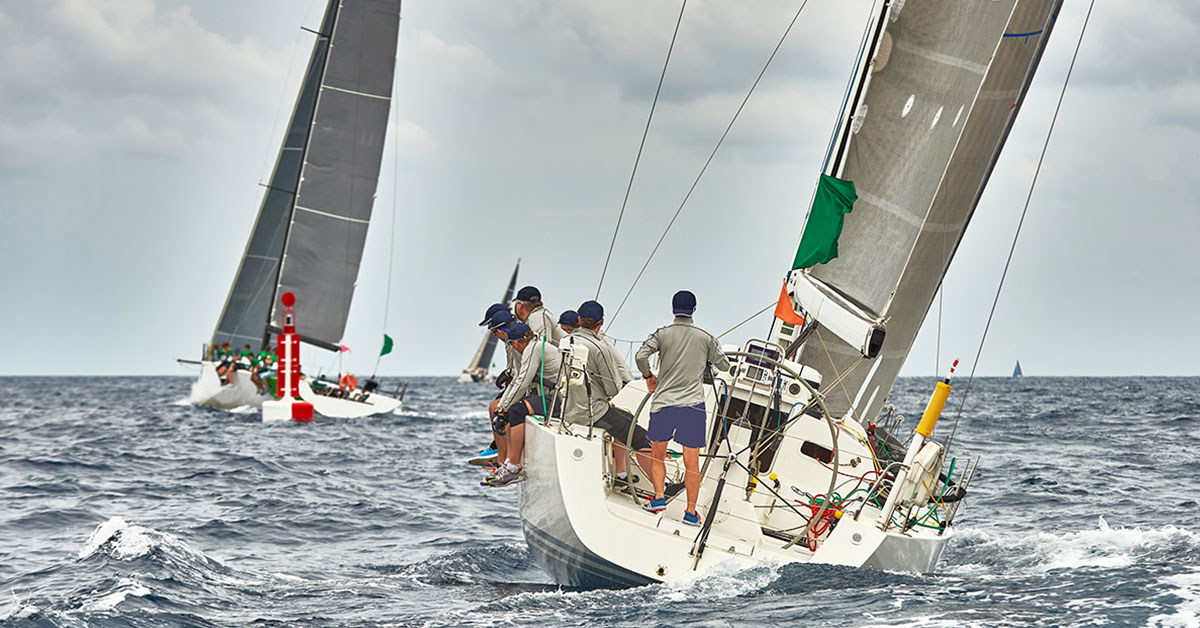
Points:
x=677 y=409
x=607 y=374
x=568 y=321
x=528 y=309
x=531 y=390
x=498 y=319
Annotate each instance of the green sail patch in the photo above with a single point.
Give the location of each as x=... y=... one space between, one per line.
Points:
x=387 y=345
x=835 y=198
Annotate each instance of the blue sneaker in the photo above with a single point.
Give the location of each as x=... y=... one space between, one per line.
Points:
x=691 y=519
x=656 y=505
x=483 y=458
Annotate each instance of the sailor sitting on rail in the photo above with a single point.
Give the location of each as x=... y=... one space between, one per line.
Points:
x=498 y=318
x=530 y=392
x=607 y=373
x=528 y=309
x=225 y=363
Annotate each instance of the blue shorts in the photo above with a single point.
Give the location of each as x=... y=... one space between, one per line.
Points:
x=683 y=423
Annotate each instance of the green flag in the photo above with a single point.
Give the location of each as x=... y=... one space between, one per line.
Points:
x=387 y=345
x=835 y=198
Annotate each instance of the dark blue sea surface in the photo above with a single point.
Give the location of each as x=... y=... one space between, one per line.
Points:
x=123 y=505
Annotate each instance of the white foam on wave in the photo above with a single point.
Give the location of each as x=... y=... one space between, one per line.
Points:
x=107 y=602
x=123 y=541
x=1104 y=546
x=1185 y=586
x=725 y=580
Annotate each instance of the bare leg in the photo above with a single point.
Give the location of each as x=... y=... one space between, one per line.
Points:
x=646 y=462
x=691 y=479
x=619 y=454
x=658 y=466
x=516 y=442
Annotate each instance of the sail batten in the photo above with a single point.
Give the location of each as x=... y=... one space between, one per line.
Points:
x=934 y=117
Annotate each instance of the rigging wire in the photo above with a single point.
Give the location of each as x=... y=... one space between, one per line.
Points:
x=641 y=146
x=395 y=187
x=1021 y=222
x=709 y=160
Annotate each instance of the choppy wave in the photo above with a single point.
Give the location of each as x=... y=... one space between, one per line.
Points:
x=121 y=506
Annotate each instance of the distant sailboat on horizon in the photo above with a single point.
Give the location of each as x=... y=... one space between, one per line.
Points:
x=478 y=370
x=1017 y=370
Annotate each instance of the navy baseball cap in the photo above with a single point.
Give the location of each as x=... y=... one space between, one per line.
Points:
x=517 y=331
x=529 y=294
x=684 y=303
x=569 y=318
x=592 y=310
x=500 y=319
x=492 y=309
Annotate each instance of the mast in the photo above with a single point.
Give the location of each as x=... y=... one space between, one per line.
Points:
x=340 y=171
x=483 y=356
x=931 y=108
x=252 y=294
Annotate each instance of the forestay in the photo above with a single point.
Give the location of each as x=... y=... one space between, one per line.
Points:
x=919 y=140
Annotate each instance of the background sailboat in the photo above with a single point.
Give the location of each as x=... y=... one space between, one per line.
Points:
x=311 y=227
x=482 y=360
x=1017 y=370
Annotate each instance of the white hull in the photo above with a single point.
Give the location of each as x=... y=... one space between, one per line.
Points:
x=336 y=408
x=207 y=390
x=584 y=534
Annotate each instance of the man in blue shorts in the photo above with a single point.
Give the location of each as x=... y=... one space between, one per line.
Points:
x=677 y=409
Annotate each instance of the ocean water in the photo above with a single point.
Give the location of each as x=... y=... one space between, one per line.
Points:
x=123 y=505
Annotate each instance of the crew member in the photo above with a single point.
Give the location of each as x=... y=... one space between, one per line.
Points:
x=530 y=392
x=498 y=321
x=528 y=309
x=607 y=374
x=568 y=321
x=677 y=409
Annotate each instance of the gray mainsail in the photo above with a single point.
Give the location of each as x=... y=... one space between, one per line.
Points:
x=483 y=356
x=244 y=316
x=936 y=96
x=340 y=171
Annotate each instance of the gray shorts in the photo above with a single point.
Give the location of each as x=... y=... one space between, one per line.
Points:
x=616 y=422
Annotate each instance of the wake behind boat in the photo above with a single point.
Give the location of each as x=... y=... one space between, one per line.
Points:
x=311 y=227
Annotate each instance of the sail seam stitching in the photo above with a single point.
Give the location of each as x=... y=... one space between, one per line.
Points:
x=945 y=59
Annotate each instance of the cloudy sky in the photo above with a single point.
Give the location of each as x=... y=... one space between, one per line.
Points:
x=134 y=135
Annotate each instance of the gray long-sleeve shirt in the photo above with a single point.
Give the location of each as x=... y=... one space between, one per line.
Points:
x=525 y=379
x=542 y=321
x=606 y=371
x=684 y=349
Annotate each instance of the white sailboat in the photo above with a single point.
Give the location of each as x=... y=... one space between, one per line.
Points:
x=803 y=464
x=482 y=360
x=312 y=224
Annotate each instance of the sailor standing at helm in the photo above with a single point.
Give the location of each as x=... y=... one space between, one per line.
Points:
x=677 y=409
x=529 y=310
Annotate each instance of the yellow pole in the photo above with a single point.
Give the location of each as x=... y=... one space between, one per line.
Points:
x=934 y=409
